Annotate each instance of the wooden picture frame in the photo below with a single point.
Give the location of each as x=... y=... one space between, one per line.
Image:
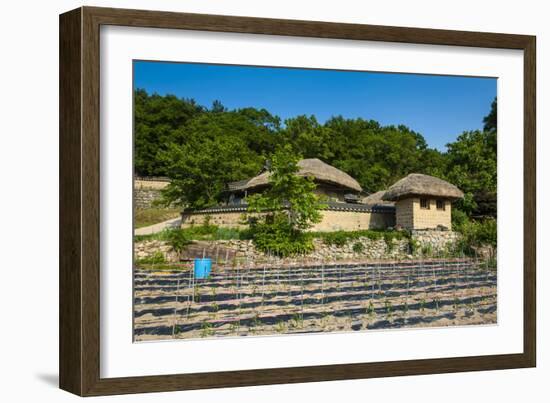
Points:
x=79 y=346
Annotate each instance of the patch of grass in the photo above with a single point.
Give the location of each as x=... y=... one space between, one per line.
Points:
x=388 y=238
x=234 y=326
x=427 y=250
x=155 y=258
x=280 y=327
x=231 y=233
x=492 y=263
x=150 y=216
x=370 y=309
x=206 y=329
x=297 y=321
x=414 y=246
x=195 y=233
x=161 y=267
x=340 y=238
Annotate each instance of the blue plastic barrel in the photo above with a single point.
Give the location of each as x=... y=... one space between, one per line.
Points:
x=203 y=267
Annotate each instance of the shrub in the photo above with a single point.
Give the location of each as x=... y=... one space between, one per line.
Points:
x=340 y=238
x=227 y=233
x=427 y=250
x=155 y=258
x=177 y=239
x=388 y=238
x=458 y=218
x=199 y=232
x=202 y=230
x=486 y=232
x=477 y=233
x=372 y=235
x=280 y=238
x=451 y=249
x=358 y=247
x=413 y=246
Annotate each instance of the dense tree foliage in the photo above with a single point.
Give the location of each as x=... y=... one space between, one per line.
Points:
x=210 y=150
x=490 y=121
x=472 y=166
x=201 y=149
x=156 y=118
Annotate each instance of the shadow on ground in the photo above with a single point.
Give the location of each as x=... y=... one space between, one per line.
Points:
x=49 y=379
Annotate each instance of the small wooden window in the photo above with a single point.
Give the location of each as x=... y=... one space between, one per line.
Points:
x=440 y=204
x=425 y=204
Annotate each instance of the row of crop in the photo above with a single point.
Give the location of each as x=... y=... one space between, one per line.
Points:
x=169 y=285
x=257 y=276
x=267 y=292
x=374 y=310
x=234 y=299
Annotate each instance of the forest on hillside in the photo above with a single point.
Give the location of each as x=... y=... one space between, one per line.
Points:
x=202 y=148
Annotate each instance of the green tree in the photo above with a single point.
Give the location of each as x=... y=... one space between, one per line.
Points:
x=201 y=149
x=211 y=150
x=156 y=118
x=217 y=107
x=307 y=135
x=490 y=121
x=280 y=215
x=199 y=171
x=377 y=156
x=289 y=194
x=472 y=166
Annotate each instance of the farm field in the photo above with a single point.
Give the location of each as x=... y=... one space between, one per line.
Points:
x=243 y=300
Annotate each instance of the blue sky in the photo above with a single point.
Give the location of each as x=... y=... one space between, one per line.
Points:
x=438 y=107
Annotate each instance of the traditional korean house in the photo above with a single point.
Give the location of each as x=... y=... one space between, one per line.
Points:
x=415 y=202
x=422 y=202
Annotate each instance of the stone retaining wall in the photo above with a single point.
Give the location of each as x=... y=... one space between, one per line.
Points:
x=146 y=191
x=144 y=198
x=146 y=249
x=372 y=249
x=433 y=241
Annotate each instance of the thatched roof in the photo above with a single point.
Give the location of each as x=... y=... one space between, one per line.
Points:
x=375 y=199
x=422 y=185
x=237 y=185
x=311 y=167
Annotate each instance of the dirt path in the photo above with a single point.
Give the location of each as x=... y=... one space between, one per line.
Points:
x=153 y=229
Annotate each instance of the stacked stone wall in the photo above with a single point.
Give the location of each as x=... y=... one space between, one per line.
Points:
x=147 y=191
x=435 y=242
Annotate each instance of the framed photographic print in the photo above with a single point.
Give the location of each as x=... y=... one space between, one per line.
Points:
x=249 y=201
